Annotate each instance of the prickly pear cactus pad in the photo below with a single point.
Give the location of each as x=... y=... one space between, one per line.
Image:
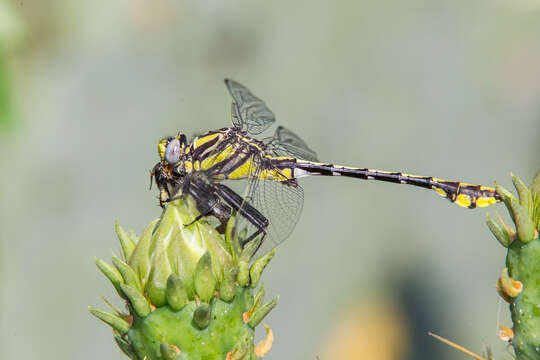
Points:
x=189 y=291
x=519 y=283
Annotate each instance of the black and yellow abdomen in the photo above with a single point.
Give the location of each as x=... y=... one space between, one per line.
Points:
x=463 y=194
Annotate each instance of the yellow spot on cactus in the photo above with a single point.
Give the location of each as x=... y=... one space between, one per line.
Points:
x=505 y=333
x=510 y=287
x=264 y=346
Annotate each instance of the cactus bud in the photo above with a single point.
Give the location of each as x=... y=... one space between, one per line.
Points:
x=524 y=225
x=130 y=278
x=138 y=301
x=259 y=297
x=112 y=274
x=227 y=289
x=506 y=197
x=205 y=280
x=243 y=273
x=111 y=319
x=499 y=233
x=167 y=351
x=523 y=192
x=161 y=269
x=176 y=293
x=201 y=316
x=139 y=259
x=125 y=240
x=258 y=267
x=250 y=248
x=261 y=313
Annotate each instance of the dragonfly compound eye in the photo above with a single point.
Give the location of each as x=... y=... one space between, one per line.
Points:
x=172 y=152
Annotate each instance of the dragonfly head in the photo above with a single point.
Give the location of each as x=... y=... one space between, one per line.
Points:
x=171 y=149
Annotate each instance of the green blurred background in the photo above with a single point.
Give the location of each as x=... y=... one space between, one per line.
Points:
x=443 y=88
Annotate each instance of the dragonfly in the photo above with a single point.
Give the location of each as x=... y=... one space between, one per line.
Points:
x=268 y=199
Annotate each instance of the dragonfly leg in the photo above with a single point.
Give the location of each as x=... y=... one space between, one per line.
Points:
x=254 y=235
x=199 y=217
x=206 y=202
x=219 y=211
x=244 y=209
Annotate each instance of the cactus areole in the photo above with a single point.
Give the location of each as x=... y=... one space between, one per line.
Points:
x=190 y=292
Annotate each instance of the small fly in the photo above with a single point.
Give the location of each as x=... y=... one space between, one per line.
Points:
x=269 y=200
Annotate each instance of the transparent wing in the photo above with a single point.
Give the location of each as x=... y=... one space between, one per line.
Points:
x=280 y=202
x=282 y=205
x=286 y=143
x=248 y=112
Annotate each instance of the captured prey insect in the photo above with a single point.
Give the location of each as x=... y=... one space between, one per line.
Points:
x=272 y=199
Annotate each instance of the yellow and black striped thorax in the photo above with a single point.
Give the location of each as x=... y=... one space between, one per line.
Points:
x=230 y=153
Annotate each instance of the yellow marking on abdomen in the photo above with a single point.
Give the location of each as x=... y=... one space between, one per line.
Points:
x=463 y=200
x=276 y=174
x=440 y=191
x=243 y=171
x=283 y=174
x=485 y=201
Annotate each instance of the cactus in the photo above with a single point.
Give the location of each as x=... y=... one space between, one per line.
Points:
x=519 y=283
x=189 y=291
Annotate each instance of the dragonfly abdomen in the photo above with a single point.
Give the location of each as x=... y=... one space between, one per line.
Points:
x=463 y=194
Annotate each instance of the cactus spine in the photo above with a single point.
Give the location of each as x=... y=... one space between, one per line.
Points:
x=189 y=291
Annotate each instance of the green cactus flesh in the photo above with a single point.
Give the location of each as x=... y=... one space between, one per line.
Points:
x=214 y=341
x=186 y=293
x=523 y=264
x=520 y=282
